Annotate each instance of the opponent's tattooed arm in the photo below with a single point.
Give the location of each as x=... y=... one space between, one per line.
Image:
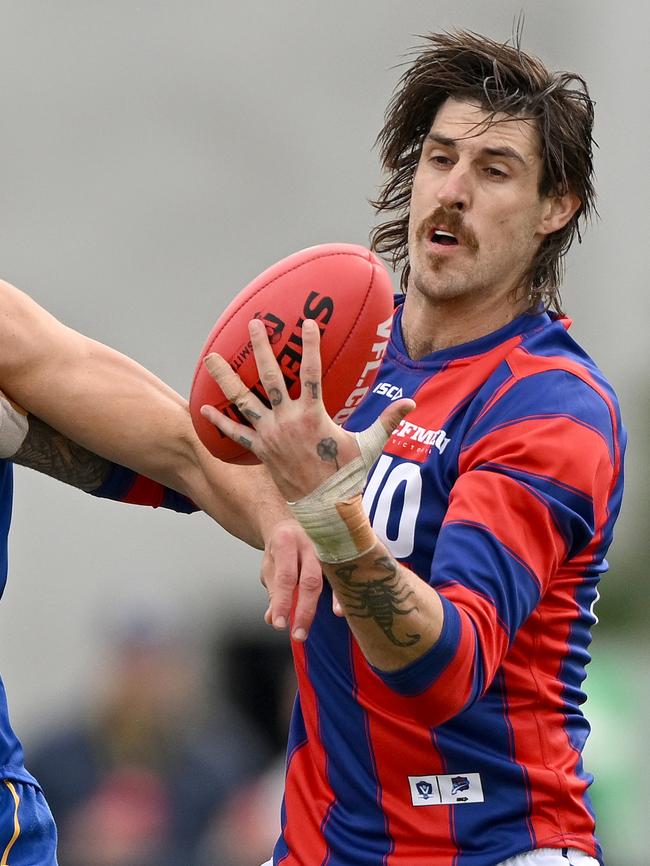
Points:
x=48 y=451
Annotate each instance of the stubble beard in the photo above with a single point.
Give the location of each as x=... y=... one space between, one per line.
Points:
x=438 y=279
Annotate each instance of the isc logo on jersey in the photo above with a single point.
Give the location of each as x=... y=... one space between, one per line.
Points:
x=393 y=392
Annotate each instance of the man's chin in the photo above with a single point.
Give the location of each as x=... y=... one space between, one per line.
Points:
x=435 y=284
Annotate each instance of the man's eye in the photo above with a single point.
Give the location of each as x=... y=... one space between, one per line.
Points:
x=495 y=172
x=439 y=159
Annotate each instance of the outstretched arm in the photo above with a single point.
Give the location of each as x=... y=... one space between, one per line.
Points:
x=89 y=407
x=112 y=409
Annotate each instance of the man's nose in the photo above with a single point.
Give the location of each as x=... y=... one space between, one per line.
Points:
x=456 y=191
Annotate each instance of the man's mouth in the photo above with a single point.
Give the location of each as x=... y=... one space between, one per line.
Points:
x=444 y=238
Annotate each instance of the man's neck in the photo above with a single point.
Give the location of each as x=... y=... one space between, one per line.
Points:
x=429 y=325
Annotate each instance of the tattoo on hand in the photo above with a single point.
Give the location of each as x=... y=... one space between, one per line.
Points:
x=247 y=443
x=313 y=387
x=380 y=599
x=250 y=414
x=48 y=451
x=275 y=396
x=327 y=450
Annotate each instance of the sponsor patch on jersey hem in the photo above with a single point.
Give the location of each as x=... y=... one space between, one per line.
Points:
x=452 y=789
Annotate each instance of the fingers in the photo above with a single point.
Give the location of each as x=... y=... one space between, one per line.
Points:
x=270 y=376
x=233 y=387
x=391 y=416
x=310 y=587
x=280 y=576
x=310 y=367
x=246 y=436
x=267 y=366
x=293 y=577
x=337 y=608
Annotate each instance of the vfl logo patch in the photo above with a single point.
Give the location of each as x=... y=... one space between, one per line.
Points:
x=446 y=790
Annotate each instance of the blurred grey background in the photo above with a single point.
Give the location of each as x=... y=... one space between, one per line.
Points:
x=155 y=157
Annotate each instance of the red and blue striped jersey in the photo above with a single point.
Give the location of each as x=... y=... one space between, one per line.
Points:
x=121 y=484
x=500 y=490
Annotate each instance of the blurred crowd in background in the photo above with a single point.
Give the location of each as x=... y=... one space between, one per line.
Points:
x=178 y=757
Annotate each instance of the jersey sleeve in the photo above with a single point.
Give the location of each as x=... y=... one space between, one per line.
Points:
x=536 y=471
x=125 y=485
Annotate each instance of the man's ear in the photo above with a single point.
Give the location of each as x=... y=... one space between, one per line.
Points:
x=558 y=210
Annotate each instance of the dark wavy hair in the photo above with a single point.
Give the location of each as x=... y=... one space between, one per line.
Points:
x=502 y=79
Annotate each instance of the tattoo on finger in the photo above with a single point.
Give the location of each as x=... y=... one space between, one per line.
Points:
x=313 y=388
x=275 y=396
x=247 y=443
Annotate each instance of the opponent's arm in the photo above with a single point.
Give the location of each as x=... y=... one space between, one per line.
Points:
x=47 y=451
x=290 y=569
x=30 y=442
x=116 y=410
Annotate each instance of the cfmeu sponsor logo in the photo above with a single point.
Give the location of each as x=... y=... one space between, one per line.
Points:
x=411 y=440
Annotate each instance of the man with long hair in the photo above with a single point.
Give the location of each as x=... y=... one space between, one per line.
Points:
x=439 y=721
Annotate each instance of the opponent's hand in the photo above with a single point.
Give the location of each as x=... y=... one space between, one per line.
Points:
x=296 y=439
x=291 y=571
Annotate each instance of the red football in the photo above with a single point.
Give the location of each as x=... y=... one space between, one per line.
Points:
x=346 y=289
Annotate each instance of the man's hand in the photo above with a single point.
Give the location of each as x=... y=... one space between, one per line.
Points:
x=291 y=572
x=296 y=439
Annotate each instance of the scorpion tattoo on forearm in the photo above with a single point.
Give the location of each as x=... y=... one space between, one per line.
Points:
x=380 y=599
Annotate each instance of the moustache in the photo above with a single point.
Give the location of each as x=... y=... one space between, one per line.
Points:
x=453 y=222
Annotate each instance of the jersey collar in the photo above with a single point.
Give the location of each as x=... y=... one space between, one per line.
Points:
x=523 y=324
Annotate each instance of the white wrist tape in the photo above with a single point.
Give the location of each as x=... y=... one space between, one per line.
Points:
x=332 y=514
x=13 y=427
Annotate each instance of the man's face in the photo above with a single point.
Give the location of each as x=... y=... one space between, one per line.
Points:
x=480 y=185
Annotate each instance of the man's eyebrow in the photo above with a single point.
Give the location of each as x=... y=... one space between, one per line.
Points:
x=441 y=139
x=505 y=151
x=508 y=152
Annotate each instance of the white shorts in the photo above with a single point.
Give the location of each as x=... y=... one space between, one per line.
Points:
x=551 y=857
x=540 y=857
